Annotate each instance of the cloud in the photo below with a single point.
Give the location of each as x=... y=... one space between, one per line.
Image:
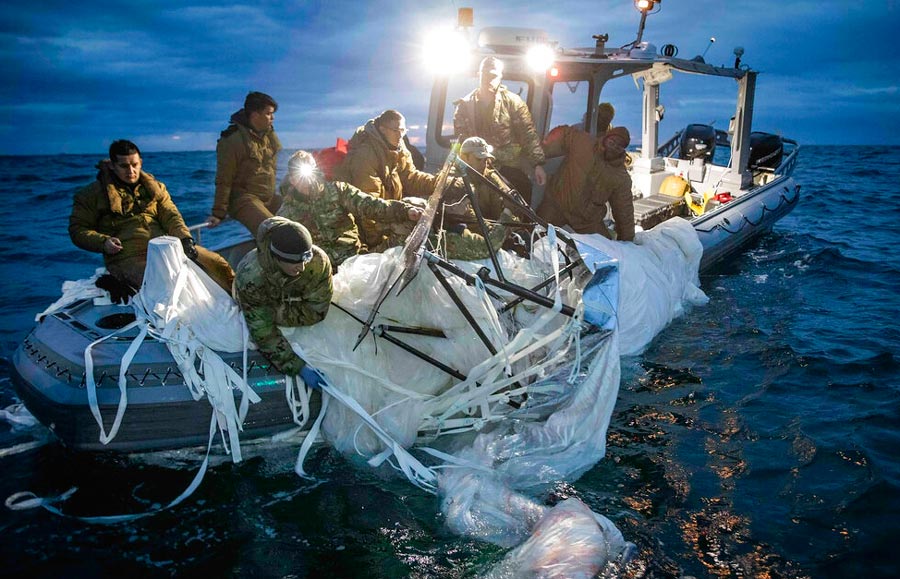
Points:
x=77 y=73
x=858 y=91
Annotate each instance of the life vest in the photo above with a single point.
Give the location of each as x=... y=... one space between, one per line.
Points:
x=328 y=159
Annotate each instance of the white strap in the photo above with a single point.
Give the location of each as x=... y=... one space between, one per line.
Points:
x=28 y=500
x=92 y=386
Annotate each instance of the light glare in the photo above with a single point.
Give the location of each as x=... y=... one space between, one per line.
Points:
x=540 y=57
x=446 y=51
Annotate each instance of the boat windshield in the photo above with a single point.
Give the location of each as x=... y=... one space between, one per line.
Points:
x=569 y=103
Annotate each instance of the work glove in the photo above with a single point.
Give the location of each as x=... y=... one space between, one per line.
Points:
x=190 y=248
x=312 y=377
x=119 y=291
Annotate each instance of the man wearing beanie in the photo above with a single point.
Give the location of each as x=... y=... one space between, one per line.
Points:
x=246 y=157
x=592 y=173
x=285 y=281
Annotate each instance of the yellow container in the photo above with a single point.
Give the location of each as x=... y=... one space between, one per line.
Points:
x=674 y=186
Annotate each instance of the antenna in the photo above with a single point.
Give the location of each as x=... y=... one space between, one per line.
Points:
x=712 y=39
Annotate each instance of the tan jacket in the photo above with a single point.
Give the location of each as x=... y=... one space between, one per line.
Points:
x=577 y=193
x=373 y=166
x=107 y=208
x=245 y=165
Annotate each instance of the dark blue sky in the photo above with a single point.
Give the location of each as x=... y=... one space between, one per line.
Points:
x=167 y=75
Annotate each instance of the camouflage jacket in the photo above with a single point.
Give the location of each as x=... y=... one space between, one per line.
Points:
x=510 y=130
x=471 y=246
x=245 y=164
x=269 y=299
x=332 y=215
x=107 y=208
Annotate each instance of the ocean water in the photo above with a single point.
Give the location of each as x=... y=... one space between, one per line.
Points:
x=758 y=436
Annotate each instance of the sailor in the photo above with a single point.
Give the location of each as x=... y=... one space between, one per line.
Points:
x=119 y=213
x=605 y=114
x=502 y=118
x=285 y=281
x=593 y=172
x=478 y=154
x=246 y=157
x=333 y=210
x=379 y=163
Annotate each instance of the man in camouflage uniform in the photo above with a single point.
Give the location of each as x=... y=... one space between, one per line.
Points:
x=478 y=154
x=119 y=213
x=285 y=281
x=332 y=210
x=502 y=119
x=246 y=158
x=592 y=174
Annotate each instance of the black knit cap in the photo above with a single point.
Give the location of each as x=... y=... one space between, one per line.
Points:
x=291 y=243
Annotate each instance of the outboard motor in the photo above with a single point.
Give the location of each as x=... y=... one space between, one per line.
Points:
x=698 y=142
x=766 y=151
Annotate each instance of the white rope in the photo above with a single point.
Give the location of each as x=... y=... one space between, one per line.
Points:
x=25 y=500
x=297 y=400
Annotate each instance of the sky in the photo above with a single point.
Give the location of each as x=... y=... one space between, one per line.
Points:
x=168 y=74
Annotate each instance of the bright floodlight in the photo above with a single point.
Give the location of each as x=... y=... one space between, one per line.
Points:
x=446 y=51
x=540 y=57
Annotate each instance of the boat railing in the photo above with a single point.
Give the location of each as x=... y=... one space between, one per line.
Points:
x=790 y=160
x=670 y=147
x=197 y=231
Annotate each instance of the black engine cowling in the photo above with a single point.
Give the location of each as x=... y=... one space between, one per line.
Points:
x=698 y=142
x=766 y=150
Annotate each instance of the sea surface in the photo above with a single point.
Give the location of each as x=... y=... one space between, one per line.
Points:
x=757 y=436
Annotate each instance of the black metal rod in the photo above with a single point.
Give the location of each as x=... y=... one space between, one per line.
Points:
x=461 y=306
x=435 y=261
x=479 y=216
x=516 y=301
x=381 y=331
x=518 y=204
x=419 y=354
x=430 y=332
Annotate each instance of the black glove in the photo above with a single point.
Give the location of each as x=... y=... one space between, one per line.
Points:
x=119 y=291
x=190 y=248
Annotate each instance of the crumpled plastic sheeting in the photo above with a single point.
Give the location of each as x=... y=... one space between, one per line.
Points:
x=658 y=275
x=570 y=542
x=484 y=503
x=390 y=383
x=72 y=291
x=200 y=304
x=182 y=306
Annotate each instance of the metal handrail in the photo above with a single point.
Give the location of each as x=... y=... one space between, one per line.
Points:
x=197 y=231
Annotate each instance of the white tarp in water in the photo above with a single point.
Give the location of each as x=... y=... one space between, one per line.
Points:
x=489 y=460
x=572 y=379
